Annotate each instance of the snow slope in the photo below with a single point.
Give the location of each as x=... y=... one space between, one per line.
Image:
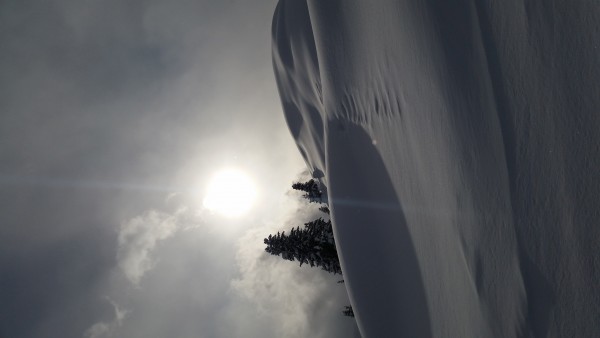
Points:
x=460 y=148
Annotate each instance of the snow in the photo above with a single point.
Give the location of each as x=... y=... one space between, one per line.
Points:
x=459 y=148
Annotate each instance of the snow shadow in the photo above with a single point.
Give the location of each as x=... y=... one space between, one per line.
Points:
x=298 y=79
x=378 y=257
x=472 y=31
x=540 y=299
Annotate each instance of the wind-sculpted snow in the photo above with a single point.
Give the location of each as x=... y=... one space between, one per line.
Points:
x=460 y=150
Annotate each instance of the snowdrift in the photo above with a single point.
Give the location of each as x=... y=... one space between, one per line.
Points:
x=458 y=142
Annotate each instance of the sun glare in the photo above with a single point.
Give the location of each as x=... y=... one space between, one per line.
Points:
x=230 y=193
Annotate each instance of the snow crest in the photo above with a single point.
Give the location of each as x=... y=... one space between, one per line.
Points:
x=458 y=159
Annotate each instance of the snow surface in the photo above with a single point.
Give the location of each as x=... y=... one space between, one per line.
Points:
x=459 y=143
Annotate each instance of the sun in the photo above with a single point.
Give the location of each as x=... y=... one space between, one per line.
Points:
x=230 y=193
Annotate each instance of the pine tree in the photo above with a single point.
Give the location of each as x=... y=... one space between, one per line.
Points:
x=348 y=311
x=324 y=209
x=311 y=188
x=313 y=245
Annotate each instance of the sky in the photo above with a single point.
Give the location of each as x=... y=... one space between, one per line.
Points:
x=113 y=117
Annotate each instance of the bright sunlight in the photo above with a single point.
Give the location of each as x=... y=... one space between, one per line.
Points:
x=230 y=193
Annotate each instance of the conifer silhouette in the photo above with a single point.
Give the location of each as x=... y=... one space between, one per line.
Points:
x=348 y=311
x=311 y=189
x=313 y=245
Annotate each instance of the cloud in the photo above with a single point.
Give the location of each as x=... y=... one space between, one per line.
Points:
x=139 y=236
x=277 y=289
x=173 y=68
x=249 y=293
x=292 y=301
x=107 y=329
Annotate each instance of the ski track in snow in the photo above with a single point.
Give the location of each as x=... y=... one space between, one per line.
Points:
x=460 y=150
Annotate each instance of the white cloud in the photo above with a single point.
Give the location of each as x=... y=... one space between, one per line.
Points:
x=100 y=329
x=287 y=297
x=139 y=237
x=269 y=297
x=107 y=329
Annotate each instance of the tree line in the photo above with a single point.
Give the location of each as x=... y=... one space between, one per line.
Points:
x=312 y=244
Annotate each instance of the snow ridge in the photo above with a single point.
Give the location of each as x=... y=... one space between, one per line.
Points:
x=427 y=122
